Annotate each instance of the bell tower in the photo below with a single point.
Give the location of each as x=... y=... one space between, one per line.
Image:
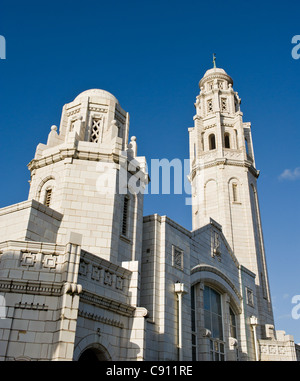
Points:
x=224 y=178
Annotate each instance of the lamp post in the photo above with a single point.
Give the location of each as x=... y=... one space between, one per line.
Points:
x=179 y=291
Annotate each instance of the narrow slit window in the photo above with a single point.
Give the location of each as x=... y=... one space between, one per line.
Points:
x=235 y=192
x=212 y=142
x=125 y=216
x=227 y=141
x=246 y=145
x=48 y=195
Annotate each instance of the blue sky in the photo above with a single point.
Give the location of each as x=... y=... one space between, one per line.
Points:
x=151 y=56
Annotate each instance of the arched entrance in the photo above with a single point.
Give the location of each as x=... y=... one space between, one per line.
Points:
x=93 y=354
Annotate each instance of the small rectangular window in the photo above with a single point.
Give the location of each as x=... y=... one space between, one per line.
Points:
x=249 y=297
x=72 y=125
x=95 y=131
x=209 y=106
x=223 y=104
x=177 y=258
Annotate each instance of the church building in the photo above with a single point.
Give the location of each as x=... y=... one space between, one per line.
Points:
x=84 y=275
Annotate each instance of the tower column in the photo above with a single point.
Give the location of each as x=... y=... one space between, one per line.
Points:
x=224 y=178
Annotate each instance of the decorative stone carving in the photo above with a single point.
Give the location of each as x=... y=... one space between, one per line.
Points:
x=205 y=332
x=95 y=317
x=73 y=288
x=119 y=283
x=28 y=259
x=177 y=258
x=97 y=109
x=96 y=273
x=49 y=261
x=272 y=349
x=83 y=268
x=233 y=343
x=32 y=306
x=108 y=278
x=249 y=297
x=223 y=104
x=73 y=112
x=216 y=246
x=264 y=349
x=209 y=106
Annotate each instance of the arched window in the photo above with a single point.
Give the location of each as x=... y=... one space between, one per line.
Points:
x=227 y=140
x=212 y=141
x=214 y=322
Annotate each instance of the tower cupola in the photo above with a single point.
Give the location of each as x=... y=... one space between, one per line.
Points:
x=216 y=94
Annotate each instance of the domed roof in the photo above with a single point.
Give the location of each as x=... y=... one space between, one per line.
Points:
x=215 y=70
x=97 y=93
x=215 y=73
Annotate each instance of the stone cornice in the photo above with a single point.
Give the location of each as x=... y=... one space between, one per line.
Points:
x=225 y=161
x=161 y=219
x=32 y=246
x=31 y=287
x=91 y=155
x=73 y=153
x=215 y=75
x=31 y=204
x=107 y=303
x=107 y=265
x=101 y=319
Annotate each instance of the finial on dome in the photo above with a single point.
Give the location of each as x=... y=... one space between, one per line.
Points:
x=214 y=60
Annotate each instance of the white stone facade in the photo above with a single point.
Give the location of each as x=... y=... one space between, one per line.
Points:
x=84 y=276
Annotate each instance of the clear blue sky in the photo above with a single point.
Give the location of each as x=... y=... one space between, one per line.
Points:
x=151 y=56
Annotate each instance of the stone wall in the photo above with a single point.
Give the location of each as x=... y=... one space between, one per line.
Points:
x=38 y=284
